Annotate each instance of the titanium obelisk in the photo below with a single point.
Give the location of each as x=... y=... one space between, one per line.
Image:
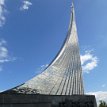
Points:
x=59 y=85
x=64 y=74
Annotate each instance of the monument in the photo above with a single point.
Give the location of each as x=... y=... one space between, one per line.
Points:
x=59 y=85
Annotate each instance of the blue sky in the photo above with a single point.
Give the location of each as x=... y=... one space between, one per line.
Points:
x=32 y=32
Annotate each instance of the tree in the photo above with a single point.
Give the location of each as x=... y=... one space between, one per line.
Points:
x=102 y=104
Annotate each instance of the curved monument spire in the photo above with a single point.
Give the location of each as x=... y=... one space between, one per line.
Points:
x=64 y=75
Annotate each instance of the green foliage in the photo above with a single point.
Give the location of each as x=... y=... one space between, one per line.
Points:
x=102 y=104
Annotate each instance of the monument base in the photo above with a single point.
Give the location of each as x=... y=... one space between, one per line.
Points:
x=25 y=100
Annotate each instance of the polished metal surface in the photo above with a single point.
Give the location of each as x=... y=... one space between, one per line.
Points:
x=64 y=75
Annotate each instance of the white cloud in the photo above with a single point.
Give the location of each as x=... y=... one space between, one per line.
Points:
x=1 y=91
x=44 y=66
x=3 y=51
x=100 y=95
x=25 y=5
x=88 y=61
x=41 y=68
x=4 y=54
x=104 y=85
x=2 y=12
